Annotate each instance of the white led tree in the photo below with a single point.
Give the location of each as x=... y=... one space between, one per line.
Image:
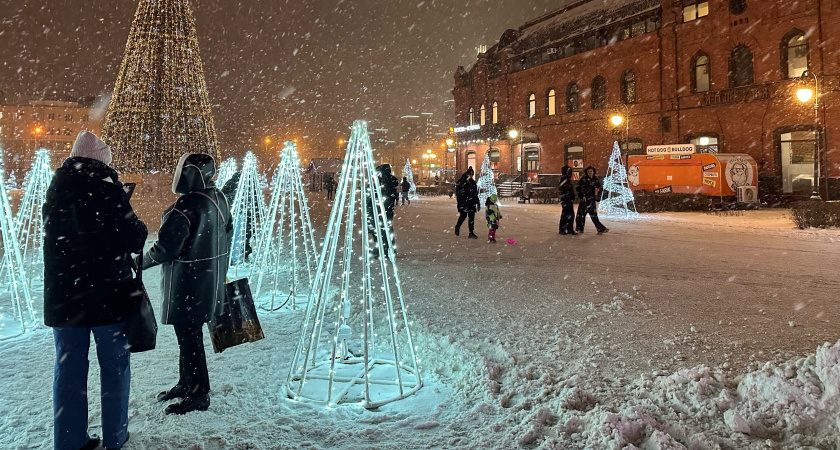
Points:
x=226 y=170
x=617 y=197
x=355 y=343
x=486 y=181
x=285 y=256
x=248 y=211
x=17 y=311
x=409 y=174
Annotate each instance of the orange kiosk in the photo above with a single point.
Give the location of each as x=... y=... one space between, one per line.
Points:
x=678 y=169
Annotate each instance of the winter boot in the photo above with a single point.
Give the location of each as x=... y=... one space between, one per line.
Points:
x=189 y=404
x=472 y=236
x=91 y=444
x=127 y=435
x=176 y=391
x=457 y=232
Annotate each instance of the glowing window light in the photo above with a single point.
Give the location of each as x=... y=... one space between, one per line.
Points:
x=617 y=197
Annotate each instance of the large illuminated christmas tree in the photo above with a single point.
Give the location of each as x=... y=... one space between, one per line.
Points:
x=486 y=181
x=617 y=197
x=355 y=343
x=409 y=174
x=284 y=262
x=248 y=211
x=17 y=311
x=160 y=108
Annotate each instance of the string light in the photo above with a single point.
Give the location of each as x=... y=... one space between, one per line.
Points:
x=617 y=197
x=412 y=191
x=285 y=254
x=248 y=211
x=160 y=108
x=367 y=299
x=15 y=298
x=486 y=182
x=226 y=170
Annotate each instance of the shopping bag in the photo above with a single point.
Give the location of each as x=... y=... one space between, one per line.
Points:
x=141 y=326
x=237 y=322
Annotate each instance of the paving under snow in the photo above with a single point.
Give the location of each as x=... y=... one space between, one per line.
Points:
x=672 y=331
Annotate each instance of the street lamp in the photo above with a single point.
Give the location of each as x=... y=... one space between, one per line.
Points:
x=514 y=133
x=618 y=119
x=804 y=95
x=267 y=141
x=449 y=149
x=37 y=132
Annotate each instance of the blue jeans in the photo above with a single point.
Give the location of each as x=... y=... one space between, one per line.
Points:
x=70 y=407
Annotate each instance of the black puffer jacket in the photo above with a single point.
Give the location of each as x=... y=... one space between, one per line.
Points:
x=566 y=187
x=466 y=192
x=589 y=188
x=193 y=245
x=89 y=231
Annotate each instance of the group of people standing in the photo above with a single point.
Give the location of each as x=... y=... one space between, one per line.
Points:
x=90 y=284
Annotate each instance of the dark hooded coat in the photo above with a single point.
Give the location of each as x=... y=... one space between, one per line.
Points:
x=566 y=187
x=589 y=188
x=90 y=230
x=193 y=245
x=466 y=192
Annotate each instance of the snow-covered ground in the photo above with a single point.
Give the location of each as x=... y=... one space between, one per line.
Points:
x=671 y=331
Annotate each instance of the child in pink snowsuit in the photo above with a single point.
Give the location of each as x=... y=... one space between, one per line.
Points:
x=492 y=214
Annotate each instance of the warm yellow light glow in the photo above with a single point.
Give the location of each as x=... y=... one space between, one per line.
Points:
x=704 y=140
x=413 y=161
x=513 y=134
x=267 y=140
x=341 y=142
x=429 y=152
x=449 y=142
x=804 y=94
x=38 y=130
x=616 y=120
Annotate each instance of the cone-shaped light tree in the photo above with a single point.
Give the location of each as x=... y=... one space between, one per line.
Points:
x=486 y=181
x=285 y=256
x=408 y=173
x=248 y=211
x=226 y=170
x=355 y=343
x=160 y=108
x=29 y=223
x=617 y=197
x=17 y=311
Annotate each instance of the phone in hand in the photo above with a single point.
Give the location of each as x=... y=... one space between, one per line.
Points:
x=129 y=188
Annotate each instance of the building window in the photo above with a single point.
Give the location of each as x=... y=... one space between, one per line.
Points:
x=51 y=116
x=737 y=6
x=472 y=118
x=471 y=160
x=628 y=87
x=495 y=156
x=574 y=159
x=794 y=53
x=532 y=106
x=740 y=66
x=85 y=118
x=551 y=102
x=495 y=112
x=68 y=117
x=795 y=147
x=701 y=69
x=532 y=159
x=632 y=146
x=705 y=142
x=695 y=9
x=572 y=98
x=483 y=115
x=599 y=93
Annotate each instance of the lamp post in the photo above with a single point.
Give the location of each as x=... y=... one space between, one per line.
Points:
x=266 y=142
x=37 y=132
x=617 y=121
x=449 y=149
x=804 y=95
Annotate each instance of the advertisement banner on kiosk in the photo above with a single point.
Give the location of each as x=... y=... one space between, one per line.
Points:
x=674 y=149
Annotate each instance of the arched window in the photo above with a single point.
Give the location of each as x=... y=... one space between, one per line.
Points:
x=472 y=118
x=574 y=158
x=572 y=98
x=740 y=66
x=495 y=112
x=737 y=6
x=483 y=115
x=628 y=87
x=551 y=102
x=532 y=106
x=599 y=93
x=794 y=54
x=706 y=142
x=701 y=69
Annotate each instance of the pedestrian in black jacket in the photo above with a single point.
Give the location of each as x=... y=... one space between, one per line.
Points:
x=589 y=191
x=193 y=245
x=406 y=188
x=388 y=185
x=466 y=193
x=90 y=230
x=567 y=201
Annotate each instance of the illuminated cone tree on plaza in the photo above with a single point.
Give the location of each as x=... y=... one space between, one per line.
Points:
x=17 y=311
x=617 y=197
x=226 y=170
x=486 y=181
x=284 y=261
x=355 y=343
x=248 y=211
x=409 y=174
x=160 y=108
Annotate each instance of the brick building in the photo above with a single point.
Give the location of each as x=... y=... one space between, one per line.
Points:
x=53 y=125
x=722 y=74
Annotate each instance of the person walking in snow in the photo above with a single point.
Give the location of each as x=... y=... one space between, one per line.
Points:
x=466 y=193
x=329 y=185
x=388 y=185
x=589 y=190
x=90 y=231
x=567 y=201
x=406 y=186
x=192 y=246
x=492 y=215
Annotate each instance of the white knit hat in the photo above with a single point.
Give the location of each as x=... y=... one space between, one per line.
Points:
x=87 y=145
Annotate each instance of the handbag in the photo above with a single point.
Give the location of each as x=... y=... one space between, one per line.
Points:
x=141 y=327
x=237 y=322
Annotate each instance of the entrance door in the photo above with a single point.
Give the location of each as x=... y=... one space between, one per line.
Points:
x=471 y=162
x=798 y=162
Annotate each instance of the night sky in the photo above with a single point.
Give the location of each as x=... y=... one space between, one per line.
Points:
x=274 y=67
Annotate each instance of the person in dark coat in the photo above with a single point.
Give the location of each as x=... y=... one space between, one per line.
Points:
x=388 y=185
x=329 y=185
x=406 y=188
x=589 y=191
x=567 y=201
x=90 y=231
x=193 y=247
x=466 y=193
